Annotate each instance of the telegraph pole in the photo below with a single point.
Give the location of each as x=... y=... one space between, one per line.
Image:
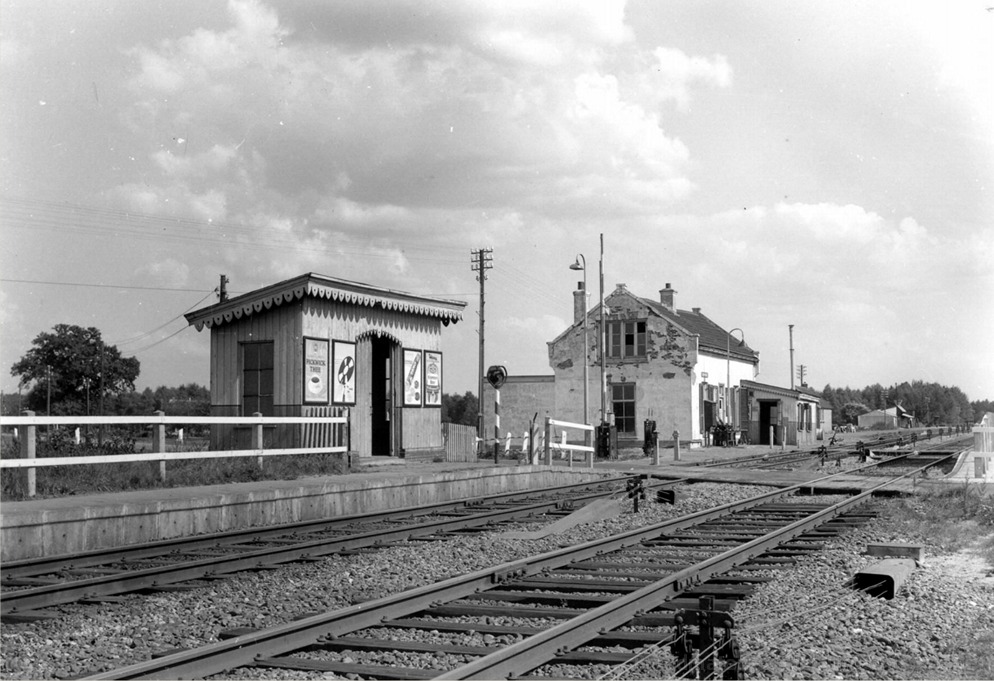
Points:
x=482 y=261
x=801 y=371
x=790 y=327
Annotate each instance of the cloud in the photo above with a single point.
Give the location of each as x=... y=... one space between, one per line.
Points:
x=676 y=72
x=169 y=272
x=281 y=110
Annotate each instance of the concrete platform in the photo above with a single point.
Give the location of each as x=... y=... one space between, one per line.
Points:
x=48 y=527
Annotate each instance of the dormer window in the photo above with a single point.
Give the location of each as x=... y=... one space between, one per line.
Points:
x=625 y=339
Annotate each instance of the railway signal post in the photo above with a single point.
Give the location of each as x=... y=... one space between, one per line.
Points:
x=496 y=375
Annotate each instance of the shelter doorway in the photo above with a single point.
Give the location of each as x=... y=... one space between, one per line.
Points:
x=382 y=442
x=769 y=411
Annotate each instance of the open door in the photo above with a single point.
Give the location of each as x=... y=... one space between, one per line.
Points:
x=768 y=416
x=381 y=397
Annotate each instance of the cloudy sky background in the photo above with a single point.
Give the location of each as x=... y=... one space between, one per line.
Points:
x=824 y=164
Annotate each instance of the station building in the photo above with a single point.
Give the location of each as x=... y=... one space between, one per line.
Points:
x=675 y=367
x=319 y=346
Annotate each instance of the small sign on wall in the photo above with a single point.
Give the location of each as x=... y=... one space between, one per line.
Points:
x=344 y=363
x=413 y=378
x=433 y=379
x=315 y=371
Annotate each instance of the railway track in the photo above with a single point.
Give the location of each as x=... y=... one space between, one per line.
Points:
x=895 y=445
x=591 y=604
x=29 y=586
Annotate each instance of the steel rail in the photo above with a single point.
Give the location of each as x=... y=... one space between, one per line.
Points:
x=530 y=653
x=31 y=599
x=243 y=650
x=48 y=564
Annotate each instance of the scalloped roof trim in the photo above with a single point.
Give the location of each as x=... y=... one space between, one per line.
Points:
x=318 y=290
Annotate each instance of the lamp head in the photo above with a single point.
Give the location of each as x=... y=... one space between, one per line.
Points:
x=576 y=265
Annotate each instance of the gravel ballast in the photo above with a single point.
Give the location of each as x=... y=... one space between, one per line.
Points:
x=805 y=624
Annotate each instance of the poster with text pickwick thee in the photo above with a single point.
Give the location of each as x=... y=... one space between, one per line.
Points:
x=315 y=371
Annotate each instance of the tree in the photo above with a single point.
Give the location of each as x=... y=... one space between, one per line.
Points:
x=460 y=408
x=850 y=413
x=72 y=367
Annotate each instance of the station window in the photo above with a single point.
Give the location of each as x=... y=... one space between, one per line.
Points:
x=623 y=403
x=257 y=378
x=626 y=339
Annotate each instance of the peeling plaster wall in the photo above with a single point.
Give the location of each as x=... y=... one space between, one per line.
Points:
x=665 y=378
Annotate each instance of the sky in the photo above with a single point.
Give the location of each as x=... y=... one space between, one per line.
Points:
x=826 y=164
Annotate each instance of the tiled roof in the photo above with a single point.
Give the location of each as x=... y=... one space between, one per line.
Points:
x=711 y=336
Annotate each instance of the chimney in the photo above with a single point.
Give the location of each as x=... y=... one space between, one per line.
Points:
x=579 y=303
x=666 y=298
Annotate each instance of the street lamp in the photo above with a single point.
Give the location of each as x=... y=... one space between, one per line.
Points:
x=603 y=343
x=581 y=265
x=728 y=369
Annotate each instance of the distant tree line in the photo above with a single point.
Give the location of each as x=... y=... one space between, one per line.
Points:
x=931 y=403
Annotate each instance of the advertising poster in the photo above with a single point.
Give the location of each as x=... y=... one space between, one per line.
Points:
x=315 y=371
x=433 y=379
x=344 y=363
x=413 y=378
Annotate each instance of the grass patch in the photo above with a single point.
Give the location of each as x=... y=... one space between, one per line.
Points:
x=58 y=481
x=950 y=521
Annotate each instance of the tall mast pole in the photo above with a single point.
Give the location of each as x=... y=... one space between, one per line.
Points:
x=483 y=261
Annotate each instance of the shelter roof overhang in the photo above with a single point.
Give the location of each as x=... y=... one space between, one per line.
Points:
x=783 y=392
x=329 y=288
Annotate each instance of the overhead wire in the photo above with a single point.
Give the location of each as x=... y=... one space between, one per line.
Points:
x=62 y=217
x=145 y=335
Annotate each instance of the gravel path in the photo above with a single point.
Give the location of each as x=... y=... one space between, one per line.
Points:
x=844 y=636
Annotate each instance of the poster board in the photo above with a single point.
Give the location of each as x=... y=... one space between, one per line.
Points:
x=315 y=371
x=413 y=378
x=343 y=391
x=433 y=378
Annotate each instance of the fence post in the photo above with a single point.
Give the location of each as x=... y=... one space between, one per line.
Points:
x=655 y=450
x=257 y=435
x=548 y=441
x=566 y=452
x=676 y=445
x=783 y=438
x=773 y=439
x=159 y=443
x=29 y=451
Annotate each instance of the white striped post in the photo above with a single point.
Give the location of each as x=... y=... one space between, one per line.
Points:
x=496 y=425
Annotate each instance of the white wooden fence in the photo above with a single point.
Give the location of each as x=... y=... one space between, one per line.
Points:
x=563 y=446
x=27 y=435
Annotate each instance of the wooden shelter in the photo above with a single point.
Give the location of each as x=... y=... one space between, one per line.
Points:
x=319 y=346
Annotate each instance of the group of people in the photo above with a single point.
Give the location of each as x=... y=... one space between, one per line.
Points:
x=722 y=435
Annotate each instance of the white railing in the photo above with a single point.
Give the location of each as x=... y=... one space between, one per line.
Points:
x=564 y=446
x=29 y=441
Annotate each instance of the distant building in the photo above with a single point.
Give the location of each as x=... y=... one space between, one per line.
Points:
x=318 y=346
x=894 y=417
x=675 y=367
